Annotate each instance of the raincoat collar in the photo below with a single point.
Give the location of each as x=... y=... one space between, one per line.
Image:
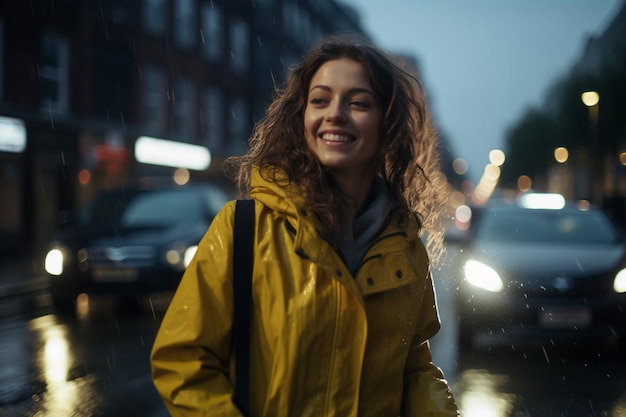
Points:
x=286 y=200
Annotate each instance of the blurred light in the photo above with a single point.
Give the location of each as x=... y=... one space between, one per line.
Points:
x=181 y=176
x=622 y=158
x=584 y=205
x=456 y=198
x=56 y=358
x=492 y=172
x=53 y=263
x=82 y=305
x=172 y=256
x=462 y=217
x=496 y=157
x=619 y=285
x=524 y=183
x=485 y=395
x=590 y=98
x=467 y=186
x=172 y=154
x=12 y=135
x=552 y=201
x=459 y=165
x=561 y=155
x=482 y=276
x=190 y=252
x=84 y=176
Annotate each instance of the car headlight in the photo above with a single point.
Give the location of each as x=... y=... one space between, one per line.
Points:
x=54 y=261
x=180 y=255
x=619 y=285
x=482 y=276
x=190 y=252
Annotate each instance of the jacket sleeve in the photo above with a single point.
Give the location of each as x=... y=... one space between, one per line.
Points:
x=426 y=391
x=191 y=355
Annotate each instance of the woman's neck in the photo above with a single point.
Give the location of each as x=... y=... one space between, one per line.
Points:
x=356 y=186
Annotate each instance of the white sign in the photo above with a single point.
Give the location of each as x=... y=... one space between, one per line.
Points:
x=12 y=135
x=172 y=154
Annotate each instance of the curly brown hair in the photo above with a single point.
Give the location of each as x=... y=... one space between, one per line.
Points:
x=408 y=160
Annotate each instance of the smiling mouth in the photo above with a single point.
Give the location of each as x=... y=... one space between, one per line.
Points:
x=332 y=137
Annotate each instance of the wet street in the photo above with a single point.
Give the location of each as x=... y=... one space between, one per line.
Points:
x=96 y=364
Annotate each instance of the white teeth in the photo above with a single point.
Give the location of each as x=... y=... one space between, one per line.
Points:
x=331 y=137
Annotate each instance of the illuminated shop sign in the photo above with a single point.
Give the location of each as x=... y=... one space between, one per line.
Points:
x=12 y=135
x=172 y=154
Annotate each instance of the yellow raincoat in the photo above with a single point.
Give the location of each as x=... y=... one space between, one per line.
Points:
x=324 y=343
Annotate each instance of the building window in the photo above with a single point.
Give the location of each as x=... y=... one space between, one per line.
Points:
x=185 y=23
x=112 y=83
x=154 y=99
x=54 y=73
x=155 y=17
x=211 y=31
x=239 y=46
x=238 y=126
x=184 y=108
x=213 y=117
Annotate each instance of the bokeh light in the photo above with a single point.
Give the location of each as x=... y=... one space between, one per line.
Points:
x=460 y=166
x=590 y=98
x=561 y=155
x=181 y=176
x=524 y=183
x=84 y=176
x=496 y=157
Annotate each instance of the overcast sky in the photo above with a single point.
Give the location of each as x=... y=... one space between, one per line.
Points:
x=484 y=62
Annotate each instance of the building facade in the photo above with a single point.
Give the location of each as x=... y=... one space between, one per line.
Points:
x=81 y=81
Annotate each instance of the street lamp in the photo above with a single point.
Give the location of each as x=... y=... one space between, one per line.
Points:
x=591 y=99
x=561 y=177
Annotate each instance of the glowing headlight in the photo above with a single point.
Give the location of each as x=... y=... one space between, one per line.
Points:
x=180 y=255
x=53 y=263
x=482 y=276
x=619 y=285
x=190 y=252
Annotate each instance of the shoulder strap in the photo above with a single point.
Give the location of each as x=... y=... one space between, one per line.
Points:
x=242 y=289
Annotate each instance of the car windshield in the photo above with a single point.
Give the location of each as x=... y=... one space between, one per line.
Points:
x=151 y=208
x=546 y=226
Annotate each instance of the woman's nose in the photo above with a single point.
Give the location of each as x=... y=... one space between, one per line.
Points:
x=336 y=113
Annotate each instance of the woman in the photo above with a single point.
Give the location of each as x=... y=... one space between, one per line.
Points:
x=343 y=171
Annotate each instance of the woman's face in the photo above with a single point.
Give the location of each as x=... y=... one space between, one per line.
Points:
x=342 y=117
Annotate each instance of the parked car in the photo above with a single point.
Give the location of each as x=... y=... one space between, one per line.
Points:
x=130 y=241
x=540 y=269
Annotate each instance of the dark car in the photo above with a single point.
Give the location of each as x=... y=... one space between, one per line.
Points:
x=544 y=272
x=130 y=241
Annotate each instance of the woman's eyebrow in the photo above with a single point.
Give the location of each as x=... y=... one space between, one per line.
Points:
x=352 y=90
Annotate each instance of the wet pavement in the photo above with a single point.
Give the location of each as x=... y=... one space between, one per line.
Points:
x=96 y=363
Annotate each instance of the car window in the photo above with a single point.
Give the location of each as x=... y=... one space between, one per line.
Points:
x=162 y=208
x=138 y=209
x=550 y=226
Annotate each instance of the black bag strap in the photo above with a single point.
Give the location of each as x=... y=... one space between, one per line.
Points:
x=242 y=288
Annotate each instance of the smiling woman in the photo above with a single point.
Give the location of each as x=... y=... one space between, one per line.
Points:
x=342 y=124
x=344 y=177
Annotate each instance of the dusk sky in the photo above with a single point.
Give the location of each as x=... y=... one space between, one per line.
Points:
x=484 y=62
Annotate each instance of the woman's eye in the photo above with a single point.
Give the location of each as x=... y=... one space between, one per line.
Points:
x=317 y=100
x=358 y=103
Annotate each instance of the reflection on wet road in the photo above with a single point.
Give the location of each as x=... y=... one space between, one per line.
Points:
x=97 y=364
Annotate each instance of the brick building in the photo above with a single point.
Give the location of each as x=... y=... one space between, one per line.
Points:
x=80 y=81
